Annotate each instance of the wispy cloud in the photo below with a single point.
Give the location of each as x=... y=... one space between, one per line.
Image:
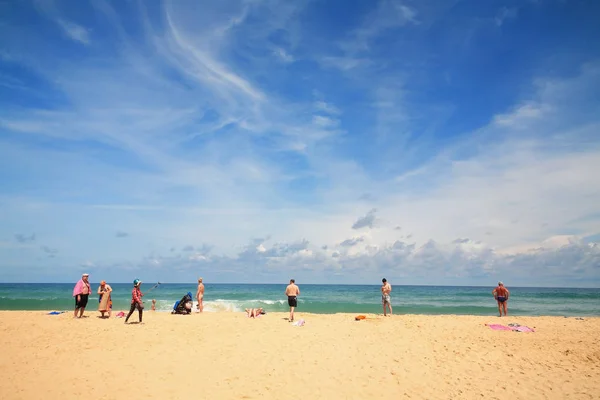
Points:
x=283 y=55
x=76 y=32
x=388 y=14
x=199 y=130
x=21 y=238
x=505 y=14
x=50 y=252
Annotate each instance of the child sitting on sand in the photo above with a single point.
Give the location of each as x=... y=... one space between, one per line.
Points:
x=153 y=304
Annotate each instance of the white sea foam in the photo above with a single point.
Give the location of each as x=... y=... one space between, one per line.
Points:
x=269 y=302
x=221 y=305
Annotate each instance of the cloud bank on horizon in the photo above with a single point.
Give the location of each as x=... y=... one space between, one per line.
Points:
x=430 y=142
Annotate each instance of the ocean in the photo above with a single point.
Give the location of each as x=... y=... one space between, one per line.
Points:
x=321 y=299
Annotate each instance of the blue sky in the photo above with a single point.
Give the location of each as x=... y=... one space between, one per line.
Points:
x=431 y=142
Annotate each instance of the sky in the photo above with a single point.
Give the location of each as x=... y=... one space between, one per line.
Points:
x=435 y=142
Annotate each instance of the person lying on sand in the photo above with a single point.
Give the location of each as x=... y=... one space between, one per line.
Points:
x=253 y=312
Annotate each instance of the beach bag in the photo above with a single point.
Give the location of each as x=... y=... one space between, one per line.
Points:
x=179 y=306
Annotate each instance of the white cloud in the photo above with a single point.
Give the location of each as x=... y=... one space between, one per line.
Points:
x=74 y=31
x=325 y=122
x=218 y=157
x=504 y=14
x=388 y=14
x=327 y=108
x=344 y=63
x=283 y=55
x=521 y=116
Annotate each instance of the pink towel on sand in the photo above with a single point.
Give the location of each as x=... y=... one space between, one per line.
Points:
x=498 y=327
x=523 y=329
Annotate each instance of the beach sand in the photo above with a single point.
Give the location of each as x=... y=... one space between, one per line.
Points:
x=229 y=356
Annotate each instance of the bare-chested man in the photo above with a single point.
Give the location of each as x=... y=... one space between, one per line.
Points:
x=292 y=292
x=200 y=295
x=501 y=295
x=386 y=300
x=81 y=293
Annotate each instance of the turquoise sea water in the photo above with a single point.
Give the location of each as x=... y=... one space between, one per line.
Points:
x=323 y=299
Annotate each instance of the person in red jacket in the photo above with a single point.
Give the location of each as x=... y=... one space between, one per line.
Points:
x=136 y=300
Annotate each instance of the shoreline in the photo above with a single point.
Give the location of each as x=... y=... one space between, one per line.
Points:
x=147 y=311
x=226 y=355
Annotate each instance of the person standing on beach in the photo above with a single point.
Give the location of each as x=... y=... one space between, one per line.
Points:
x=292 y=292
x=105 y=303
x=200 y=295
x=81 y=293
x=501 y=295
x=386 y=300
x=136 y=300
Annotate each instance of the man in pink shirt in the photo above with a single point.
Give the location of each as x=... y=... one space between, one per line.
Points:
x=81 y=292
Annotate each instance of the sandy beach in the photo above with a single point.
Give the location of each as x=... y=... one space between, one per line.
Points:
x=229 y=356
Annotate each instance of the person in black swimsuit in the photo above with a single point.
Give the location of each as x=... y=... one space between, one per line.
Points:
x=292 y=291
x=501 y=295
x=81 y=293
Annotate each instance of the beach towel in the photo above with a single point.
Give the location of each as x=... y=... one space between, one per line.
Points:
x=510 y=327
x=120 y=314
x=55 y=312
x=523 y=329
x=300 y=322
x=359 y=317
x=498 y=327
x=105 y=302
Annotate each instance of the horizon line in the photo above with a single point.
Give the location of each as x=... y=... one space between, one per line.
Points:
x=318 y=284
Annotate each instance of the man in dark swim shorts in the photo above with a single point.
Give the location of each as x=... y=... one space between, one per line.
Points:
x=292 y=301
x=81 y=293
x=292 y=291
x=501 y=295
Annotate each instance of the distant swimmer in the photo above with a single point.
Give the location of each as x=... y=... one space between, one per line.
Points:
x=200 y=295
x=292 y=292
x=386 y=300
x=501 y=294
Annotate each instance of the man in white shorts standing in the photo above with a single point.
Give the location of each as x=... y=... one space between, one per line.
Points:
x=386 y=300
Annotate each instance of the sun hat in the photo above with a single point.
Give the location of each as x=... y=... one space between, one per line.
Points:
x=137 y=282
x=86 y=274
x=500 y=283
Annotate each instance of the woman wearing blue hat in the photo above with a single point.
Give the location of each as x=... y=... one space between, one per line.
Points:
x=136 y=300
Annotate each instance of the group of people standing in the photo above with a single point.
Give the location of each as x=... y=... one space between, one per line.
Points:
x=82 y=291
